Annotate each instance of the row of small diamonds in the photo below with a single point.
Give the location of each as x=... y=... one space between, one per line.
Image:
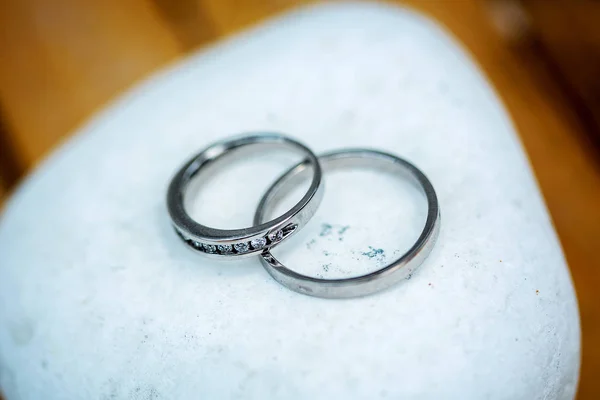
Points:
x=240 y=248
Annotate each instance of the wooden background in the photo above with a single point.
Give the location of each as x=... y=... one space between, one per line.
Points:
x=61 y=60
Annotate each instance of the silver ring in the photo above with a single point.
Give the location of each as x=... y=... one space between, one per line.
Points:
x=246 y=241
x=372 y=282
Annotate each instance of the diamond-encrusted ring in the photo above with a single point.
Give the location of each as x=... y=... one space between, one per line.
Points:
x=372 y=282
x=246 y=241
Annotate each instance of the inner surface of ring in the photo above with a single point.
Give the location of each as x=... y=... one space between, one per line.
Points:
x=373 y=212
x=232 y=182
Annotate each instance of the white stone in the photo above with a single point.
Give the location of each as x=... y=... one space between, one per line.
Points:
x=241 y=247
x=100 y=299
x=225 y=248
x=209 y=248
x=258 y=243
x=276 y=236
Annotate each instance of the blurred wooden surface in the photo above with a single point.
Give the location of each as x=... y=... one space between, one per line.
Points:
x=569 y=38
x=62 y=60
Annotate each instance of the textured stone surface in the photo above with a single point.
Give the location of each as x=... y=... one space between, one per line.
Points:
x=98 y=299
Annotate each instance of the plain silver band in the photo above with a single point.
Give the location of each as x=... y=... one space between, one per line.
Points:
x=383 y=278
x=238 y=242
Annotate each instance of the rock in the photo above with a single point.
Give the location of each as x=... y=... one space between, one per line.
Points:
x=99 y=299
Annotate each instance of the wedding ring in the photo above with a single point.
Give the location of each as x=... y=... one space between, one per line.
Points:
x=383 y=278
x=246 y=241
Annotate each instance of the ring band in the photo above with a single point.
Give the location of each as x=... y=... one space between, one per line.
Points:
x=372 y=282
x=246 y=241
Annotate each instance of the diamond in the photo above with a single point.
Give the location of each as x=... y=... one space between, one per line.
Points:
x=197 y=245
x=241 y=247
x=258 y=243
x=209 y=248
x=276 y=236
x=225 y=248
